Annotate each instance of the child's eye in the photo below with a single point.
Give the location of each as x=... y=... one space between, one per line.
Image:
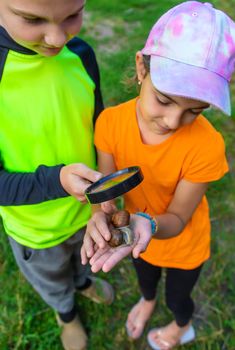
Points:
x=74 y=16
x=164 y=103
x=196 y=112
x=33 y=20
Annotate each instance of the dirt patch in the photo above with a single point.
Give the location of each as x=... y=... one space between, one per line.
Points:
x=108 y=32
x=97 y=29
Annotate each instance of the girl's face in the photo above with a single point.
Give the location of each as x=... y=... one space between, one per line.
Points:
x=161 y=113
x=43 y=26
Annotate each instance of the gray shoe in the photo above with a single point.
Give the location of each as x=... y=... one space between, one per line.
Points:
x=73 y=335
x=100 y=291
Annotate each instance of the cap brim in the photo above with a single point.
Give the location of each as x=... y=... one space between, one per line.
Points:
x=181 y=79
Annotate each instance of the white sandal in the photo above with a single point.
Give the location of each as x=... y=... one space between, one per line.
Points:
x=187 y=337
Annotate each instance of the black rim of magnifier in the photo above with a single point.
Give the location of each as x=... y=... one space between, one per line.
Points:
x=116 y=190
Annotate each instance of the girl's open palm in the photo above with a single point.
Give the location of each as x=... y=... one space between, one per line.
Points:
x=106 y=257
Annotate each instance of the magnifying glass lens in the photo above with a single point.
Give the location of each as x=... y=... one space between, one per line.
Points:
x=114 y=185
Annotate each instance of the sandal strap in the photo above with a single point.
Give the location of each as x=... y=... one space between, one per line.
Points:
x=166 y=344
x=163 y=344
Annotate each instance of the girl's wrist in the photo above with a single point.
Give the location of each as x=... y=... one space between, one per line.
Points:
x=153 y=221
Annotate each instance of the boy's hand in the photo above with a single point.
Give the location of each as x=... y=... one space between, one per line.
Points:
x=107 y=257
x=75 y=178
x=97 y=233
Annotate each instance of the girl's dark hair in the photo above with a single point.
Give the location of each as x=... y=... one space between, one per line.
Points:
x=130 y=81
x=146 y=59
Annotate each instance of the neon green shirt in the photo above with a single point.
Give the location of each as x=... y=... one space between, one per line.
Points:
x=46 y=108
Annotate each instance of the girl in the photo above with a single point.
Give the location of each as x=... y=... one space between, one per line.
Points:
x=184 y=68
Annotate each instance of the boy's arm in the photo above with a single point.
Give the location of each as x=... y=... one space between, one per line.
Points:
x=30 y=188
x=87 y=55
x=98 y=222
x=46 y=183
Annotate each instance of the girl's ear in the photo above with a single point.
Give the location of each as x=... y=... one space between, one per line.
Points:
x=140 y=68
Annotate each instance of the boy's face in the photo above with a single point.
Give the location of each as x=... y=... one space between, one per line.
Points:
x=43 y=26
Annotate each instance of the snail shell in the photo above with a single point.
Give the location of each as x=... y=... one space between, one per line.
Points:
x=117 y=238
x=120 y=218
x=121 y=234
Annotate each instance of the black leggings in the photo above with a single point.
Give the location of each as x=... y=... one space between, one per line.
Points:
x=179 y=285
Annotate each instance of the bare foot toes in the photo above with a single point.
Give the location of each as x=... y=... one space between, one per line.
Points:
x=138 y=316
x=168 y=337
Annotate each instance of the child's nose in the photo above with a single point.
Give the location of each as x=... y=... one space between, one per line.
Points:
x=56 y=37
x=173 y=120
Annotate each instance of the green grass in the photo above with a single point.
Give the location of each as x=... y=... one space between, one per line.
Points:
x=117 y=29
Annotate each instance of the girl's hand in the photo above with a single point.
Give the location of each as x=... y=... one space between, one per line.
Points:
x=106 y=257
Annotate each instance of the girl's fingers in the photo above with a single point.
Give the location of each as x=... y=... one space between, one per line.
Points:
x=106 y=259
x=141 y=245
x=114 y=258
x=99 y=261
x=99 y=253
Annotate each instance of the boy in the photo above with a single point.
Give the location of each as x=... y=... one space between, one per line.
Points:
x=50 y=97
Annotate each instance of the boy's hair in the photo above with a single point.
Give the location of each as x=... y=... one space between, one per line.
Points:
x=192 y=49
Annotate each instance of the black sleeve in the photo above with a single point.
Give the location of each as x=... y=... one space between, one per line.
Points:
x=44 y=184
x=87 y=55
x=31 y=188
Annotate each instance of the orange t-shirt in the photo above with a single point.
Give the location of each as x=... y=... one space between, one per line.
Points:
x=195 y=152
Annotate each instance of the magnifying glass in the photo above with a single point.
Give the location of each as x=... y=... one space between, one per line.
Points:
x=114 y=185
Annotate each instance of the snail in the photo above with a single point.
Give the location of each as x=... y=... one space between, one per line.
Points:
x=120 y=218
x=116 y=238
x=120 y=230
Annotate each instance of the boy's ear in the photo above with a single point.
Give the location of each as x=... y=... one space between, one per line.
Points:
x=140 y=68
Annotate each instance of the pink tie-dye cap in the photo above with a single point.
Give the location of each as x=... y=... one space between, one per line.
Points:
x=192 y=49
